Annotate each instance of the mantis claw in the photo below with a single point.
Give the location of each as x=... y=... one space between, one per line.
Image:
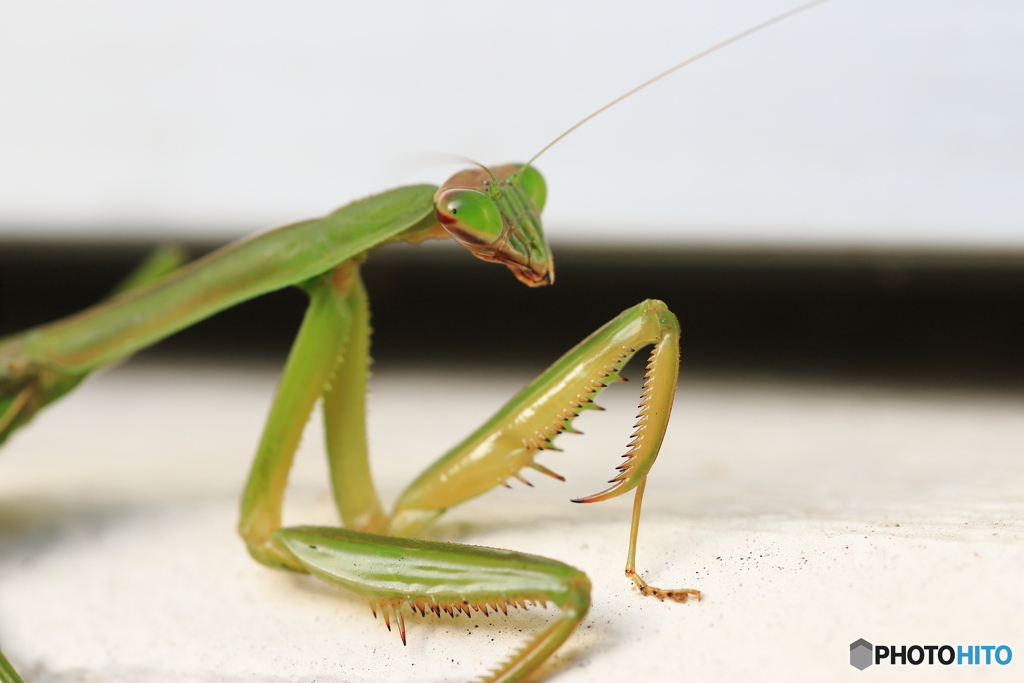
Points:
x=655 y=407
x=546 y=408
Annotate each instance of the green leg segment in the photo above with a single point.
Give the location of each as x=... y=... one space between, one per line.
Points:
x=395 y=573
x=309 y=370
x=530 y=421
x=345 y=425
x=7 y=672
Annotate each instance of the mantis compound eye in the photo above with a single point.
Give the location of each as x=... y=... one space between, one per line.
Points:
x=493 y=213
x=470 y=216
x=532 y=183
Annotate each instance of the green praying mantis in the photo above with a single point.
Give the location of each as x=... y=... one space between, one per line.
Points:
x=495 y=214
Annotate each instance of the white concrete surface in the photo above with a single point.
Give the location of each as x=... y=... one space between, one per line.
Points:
x=810 y=516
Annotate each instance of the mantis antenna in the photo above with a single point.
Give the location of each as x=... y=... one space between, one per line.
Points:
x=680 y=65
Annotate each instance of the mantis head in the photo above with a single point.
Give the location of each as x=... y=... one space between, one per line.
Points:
x=495 y=214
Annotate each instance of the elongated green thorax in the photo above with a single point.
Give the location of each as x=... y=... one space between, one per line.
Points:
x=495 y=214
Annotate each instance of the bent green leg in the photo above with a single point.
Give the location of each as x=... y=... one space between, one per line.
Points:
x=314 y=357
x=392 y=573
x=530 y=422
x=344 y=409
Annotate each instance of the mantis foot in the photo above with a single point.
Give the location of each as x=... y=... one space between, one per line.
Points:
x=674 y=594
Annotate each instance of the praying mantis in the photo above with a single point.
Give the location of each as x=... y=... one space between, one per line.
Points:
x=495 y=214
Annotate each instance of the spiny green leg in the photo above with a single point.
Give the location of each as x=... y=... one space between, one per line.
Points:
x=432 y=576
x=345 y=425
x=307 y=373
x=530 y=421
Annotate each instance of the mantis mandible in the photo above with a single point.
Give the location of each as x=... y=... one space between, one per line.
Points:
x=495 y=214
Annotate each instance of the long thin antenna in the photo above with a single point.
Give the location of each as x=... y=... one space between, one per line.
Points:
x=680 y=65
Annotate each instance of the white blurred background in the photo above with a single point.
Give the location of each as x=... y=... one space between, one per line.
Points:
x=859 y=122
x=838 y=458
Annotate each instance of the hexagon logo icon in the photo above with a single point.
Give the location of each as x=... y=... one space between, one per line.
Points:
x=861 y=652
